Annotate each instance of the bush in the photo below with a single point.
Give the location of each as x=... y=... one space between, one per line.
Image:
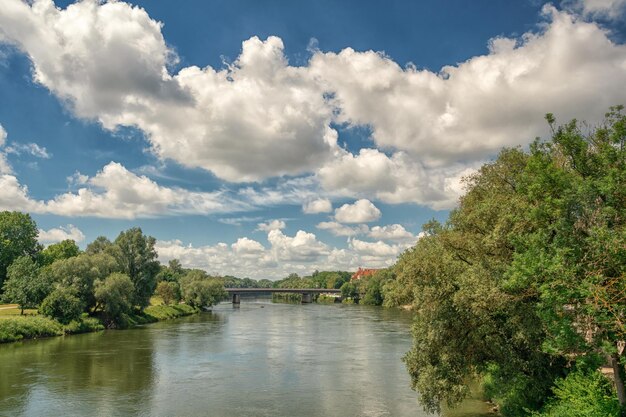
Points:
x=165 y=312
x=582 y=394
x=168 y=291
x=18 y=328
x=84 y=324
x=62 y=304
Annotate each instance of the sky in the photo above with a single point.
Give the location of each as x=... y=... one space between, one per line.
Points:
x=260 y=139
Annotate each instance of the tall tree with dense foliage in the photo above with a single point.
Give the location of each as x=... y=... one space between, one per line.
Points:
x=526 y=278
x=25 y=286
x=136 y=256
x=114 y=297
x=81 y=273
x=18 y=237
x=57 y=251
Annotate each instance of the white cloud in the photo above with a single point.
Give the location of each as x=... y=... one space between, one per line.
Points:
x=271 y=225
x=302 y=247
x=115 y=192
x=361 y=211
x=320 y=205
x=339 y=229
x=5 y=167
x=396 y=179
x=395 y=232
x=302 y=253
x=58 y=234
x=109 y=62
x=3 y=136
x=246 y=247
x=377 y=249
x=29 y=148
x=612 y=9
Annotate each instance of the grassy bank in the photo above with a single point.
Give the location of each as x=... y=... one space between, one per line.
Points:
x=14 y=327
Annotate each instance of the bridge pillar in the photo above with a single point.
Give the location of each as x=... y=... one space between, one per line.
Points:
x=236 y=300
x=306 y=298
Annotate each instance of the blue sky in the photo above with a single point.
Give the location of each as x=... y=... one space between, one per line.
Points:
x=263 y=138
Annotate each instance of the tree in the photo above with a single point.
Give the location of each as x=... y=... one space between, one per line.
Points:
x=57 y=251
x=80 y=273
x=62 y=304
x=168 y=291
x=201 y=292
x=526 y=279
x=101 y=244
x=114 y=297
x=18 y=237
x=137 y=258
x=24 y=285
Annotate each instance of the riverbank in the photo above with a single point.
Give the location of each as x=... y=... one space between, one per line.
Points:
x=14 y=328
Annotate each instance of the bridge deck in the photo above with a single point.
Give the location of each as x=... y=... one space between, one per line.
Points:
x=288 y=290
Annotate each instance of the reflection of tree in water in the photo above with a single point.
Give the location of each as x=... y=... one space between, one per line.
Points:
x=99 y=370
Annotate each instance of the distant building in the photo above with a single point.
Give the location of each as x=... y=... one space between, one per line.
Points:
x=363 y=272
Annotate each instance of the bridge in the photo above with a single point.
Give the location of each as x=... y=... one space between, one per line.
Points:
x=306 y=292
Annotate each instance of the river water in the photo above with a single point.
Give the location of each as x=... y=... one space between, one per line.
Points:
x=261 y=359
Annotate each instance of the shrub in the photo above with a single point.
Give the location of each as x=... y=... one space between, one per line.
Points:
x=582 y=394
x=62 y=304
x=18 y=328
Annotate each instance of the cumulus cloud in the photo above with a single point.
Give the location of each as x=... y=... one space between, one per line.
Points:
x=109 y=62
x=395 y=232
x=320 y=205
x=58 y=234
x=302 y=253
x=361 y=211
x=115 y=192
x=271 y=225
x=339 y=229
x=247 y=247
x=611 y=9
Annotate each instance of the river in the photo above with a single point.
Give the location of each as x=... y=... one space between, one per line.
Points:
x=261 y=359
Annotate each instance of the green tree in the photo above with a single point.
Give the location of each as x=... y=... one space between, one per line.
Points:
x=168 y=291
x=24 y=285
x=57 y=251
x=114 y=297
x=101 y=244
x=198 y=291
x=80 y=273
x=18 y=237
x=136 y=256
x=62 y=304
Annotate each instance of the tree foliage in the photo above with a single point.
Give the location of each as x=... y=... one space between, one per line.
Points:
x=114 y=297
x=526 y=278
x=18 y=237
x=62 y=304
x=24 y=286
x=136 y=257
x=58 y=251
x=198 y=290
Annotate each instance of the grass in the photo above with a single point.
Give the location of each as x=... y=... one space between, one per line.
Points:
x=14 y=327
x=5 y=313
x=164 y=312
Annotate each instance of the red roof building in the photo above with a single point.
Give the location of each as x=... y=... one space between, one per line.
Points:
x=363 y=272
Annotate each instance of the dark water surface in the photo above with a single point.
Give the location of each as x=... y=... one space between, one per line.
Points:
x=262 y=359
